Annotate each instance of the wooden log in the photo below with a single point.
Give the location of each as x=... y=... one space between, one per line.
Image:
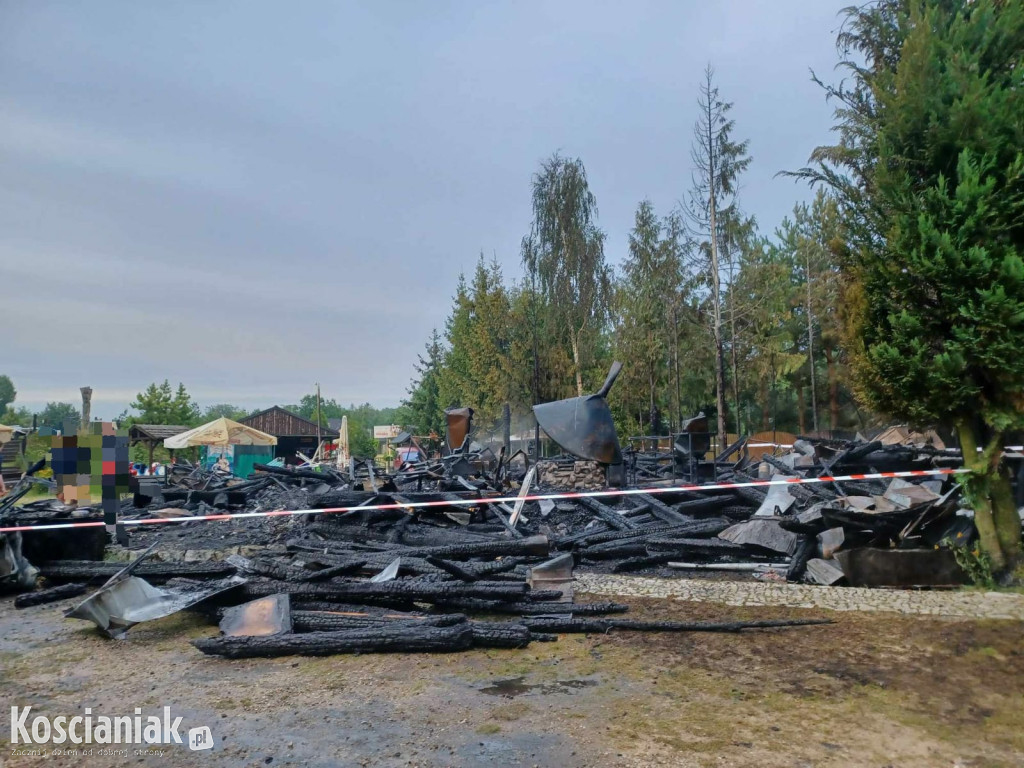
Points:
x=499 y=634
x=399 y=639
x=531 y=609
x=392 y=590
x=323 y=621
x=532 y=545
x=97 y=572
x=452 y=569
x=51 y=595
x=607 y=514
x=690 y=547
x=663 y=511
x=342 y=569
x=563 y=626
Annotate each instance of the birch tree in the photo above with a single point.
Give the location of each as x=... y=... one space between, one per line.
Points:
x=566 y=255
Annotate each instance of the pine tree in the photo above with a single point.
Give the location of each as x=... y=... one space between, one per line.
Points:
x=718 y=161
x=930 y=172
x=426 y=413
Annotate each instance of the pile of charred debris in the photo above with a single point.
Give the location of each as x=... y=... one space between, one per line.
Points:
x=477 y=549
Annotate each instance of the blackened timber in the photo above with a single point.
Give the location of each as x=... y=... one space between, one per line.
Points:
x=335 y=570
x=398 y=639
x=459 y=573
x=805 y=550
x=301 y=474
x=532 y=545
x=389 y=590
x=531 y=609
x=606 y=513
x=689 y=547
x=564 y=626
x=51 y=595
x=663 y=511
x=323 y=621
x=92 y=572
x=709 y=504
x=499 y=634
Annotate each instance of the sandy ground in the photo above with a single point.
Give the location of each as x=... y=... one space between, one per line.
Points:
x=869 y=690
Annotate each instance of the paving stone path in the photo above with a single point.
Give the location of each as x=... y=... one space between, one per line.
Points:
x=962 y=604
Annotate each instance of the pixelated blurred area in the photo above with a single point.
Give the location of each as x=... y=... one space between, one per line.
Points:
x=92 y=466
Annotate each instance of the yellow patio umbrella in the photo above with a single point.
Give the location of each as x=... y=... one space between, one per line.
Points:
x=220 y=432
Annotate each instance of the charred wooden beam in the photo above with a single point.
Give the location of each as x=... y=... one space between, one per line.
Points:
x=606 y=513
x=459 y=573
x=531 y=609
x=532 y=545
x=399 y=639
x=96 y=572
x=689 y=547
x=564 y=626
x=401 y=590
x=322 y=621
x=51 y=595
x=500 y=634
x=663 y=511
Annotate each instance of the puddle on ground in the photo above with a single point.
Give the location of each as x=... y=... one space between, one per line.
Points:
x=514 y=686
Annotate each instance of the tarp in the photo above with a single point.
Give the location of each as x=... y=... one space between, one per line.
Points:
x=222 y=431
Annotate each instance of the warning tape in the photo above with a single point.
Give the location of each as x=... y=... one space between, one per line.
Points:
x=498 y=500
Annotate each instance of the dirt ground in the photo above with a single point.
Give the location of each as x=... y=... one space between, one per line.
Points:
x=868 y=690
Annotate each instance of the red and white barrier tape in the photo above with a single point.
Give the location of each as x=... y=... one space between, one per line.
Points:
x=499 y=500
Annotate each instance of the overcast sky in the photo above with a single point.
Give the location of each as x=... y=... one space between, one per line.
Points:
x=251 y=196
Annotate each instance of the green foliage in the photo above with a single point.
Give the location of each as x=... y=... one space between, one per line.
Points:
x=976 y=563
x=423 y=411
x=54 y=414
x=159 y=404
x=16 y=417
x=7 y=392
x=930 y=171
x=564 y=255
x=934 y=180
x=649 y=290
x=718 y=161
x=361 y=420
x=226 y=410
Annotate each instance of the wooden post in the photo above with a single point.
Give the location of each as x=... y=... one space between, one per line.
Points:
x=86 y=406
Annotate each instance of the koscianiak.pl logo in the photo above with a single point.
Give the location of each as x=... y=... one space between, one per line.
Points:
x=30 y=731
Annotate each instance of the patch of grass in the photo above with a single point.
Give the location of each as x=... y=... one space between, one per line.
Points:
x=1004 y=725
x=511 y=712
x=488 y=728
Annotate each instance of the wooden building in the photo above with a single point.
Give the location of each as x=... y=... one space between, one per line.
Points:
x=152 y=435
x=294 y=434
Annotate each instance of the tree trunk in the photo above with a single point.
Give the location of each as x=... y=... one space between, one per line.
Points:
x=575 y=340
x=654 y=407
x=833 y=388
x=989 y=492
x=810 y=349
x=801 y=416
x=675 y=362
x=766 y=413
x=719 y=352
x=735 y=372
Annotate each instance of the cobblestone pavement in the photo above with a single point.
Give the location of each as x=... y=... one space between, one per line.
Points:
x=961 y=604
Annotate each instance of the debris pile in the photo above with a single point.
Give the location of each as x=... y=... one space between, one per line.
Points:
x=474 y=550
